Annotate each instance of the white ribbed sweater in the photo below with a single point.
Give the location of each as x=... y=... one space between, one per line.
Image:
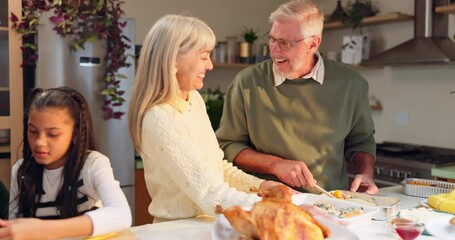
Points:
x=184 y=168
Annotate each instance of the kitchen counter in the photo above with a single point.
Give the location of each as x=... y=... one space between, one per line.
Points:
x=200 y=227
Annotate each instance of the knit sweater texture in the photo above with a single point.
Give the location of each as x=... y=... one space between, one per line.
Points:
x=322 y=125
x=185 y=173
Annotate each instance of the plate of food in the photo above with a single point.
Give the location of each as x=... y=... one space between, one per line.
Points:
x=446 y=205
x=350 y=214
x=277 y=215
x=441 y=227
x=424 y=203
x=222 y=230
x=444 y=202
x=387 y=206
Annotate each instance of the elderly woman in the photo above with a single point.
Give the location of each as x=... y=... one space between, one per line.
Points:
x=185 y=172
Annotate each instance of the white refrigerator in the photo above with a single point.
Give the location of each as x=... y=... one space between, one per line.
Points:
x=83 y=70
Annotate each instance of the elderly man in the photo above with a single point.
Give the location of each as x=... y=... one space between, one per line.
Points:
x=300 y=118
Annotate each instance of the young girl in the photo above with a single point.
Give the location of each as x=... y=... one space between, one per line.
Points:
x=62 y=187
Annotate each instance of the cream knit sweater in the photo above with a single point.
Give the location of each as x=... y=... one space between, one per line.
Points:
x=184 y=168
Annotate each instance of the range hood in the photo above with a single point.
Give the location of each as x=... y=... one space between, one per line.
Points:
x=430 y=44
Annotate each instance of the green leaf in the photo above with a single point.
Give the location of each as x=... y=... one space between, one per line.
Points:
x=92 y=39
x=75 y=46
x=108 y=79
x=57 y=2
x=105 y=92
x=86 y=20
x=33 y=22
x=100 y=4
x=121 y=76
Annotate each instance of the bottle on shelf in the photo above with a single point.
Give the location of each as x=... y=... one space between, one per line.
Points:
x=339 y=14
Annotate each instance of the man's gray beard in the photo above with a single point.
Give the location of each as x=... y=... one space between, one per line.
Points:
x=281 y=74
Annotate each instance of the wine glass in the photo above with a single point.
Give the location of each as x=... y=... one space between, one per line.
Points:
x=408 y=230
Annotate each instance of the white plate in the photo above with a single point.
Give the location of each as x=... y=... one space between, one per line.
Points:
x=222 y=230
x=441 y=228
x=352 y=223
x=424 y=203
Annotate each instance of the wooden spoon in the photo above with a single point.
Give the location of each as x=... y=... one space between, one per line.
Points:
x=322 y=190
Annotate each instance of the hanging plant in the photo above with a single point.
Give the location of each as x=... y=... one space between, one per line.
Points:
x=87 y=21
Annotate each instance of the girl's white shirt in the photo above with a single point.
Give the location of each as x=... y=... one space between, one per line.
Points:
x=99 y=185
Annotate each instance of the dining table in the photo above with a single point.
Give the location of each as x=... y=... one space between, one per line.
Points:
x=201 y=227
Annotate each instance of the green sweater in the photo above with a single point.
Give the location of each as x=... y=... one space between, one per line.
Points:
x=321 y=125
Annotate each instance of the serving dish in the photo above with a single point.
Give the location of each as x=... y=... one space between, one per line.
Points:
x=354 y=222
x=222 y=230
x=424 y=203
x=387 y=206
x=425 y=187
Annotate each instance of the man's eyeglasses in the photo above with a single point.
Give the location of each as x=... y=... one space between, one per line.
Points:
x=284 y=45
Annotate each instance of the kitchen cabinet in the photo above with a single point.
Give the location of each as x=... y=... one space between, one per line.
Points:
x=142 y=199
x=11 y=92
x=374 y=20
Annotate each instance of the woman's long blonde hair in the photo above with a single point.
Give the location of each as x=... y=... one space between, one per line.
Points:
x=170 y=37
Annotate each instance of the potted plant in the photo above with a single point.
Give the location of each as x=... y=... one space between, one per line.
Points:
x=246 y=47
x=356 y=46
x=214 y=100
x=86 y=21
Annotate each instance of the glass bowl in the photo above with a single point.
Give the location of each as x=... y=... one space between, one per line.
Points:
x=408 y=230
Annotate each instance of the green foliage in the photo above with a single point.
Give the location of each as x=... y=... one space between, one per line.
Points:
x=250 y=35
x=214 y=101
x=355 y=13
x=87 y=21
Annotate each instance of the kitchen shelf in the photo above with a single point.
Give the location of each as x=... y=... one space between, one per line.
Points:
x=448 y=9
x=5 y=149
x=244 y=65
x=374 y=20
x=4 y=89
x=3 y=29
x=232 y=65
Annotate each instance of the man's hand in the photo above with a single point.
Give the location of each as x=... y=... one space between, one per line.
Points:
x=294 y=173
x=266 y=185
x=364 y=183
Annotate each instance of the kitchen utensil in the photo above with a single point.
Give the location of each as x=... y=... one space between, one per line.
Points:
x=322 y=190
